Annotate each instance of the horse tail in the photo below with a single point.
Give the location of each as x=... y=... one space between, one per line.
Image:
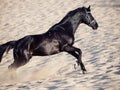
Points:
x=6 y=47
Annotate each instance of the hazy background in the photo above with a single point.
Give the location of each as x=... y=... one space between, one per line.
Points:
x=101 y=48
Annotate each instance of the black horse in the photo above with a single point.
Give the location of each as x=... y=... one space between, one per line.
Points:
x=59 y=38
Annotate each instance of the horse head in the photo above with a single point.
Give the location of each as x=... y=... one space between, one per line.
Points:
x=88 y=18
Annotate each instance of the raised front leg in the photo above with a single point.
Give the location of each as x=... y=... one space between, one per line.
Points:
x=77 y=53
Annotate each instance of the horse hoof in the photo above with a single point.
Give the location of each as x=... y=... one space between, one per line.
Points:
x=84 y=71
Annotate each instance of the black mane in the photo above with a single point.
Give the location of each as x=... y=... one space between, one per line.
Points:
x=71 y=13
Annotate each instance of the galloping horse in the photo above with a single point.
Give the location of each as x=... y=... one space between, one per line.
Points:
x=59 y=38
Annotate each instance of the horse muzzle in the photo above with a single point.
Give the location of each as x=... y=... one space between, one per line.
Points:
x=94 y=25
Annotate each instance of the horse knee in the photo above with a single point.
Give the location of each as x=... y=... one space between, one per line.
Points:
x=79 y=51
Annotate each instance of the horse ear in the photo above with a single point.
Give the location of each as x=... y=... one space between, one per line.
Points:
x=88 y=8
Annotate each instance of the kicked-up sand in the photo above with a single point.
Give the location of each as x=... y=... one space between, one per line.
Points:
x=101 y=48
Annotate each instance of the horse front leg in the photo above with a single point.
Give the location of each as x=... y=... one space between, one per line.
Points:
x=77 y=53
x=73 y=53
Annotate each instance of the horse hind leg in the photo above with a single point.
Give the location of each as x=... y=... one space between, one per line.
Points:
x=20 y=59
x=16 y=64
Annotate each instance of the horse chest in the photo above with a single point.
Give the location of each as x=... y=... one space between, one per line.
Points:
x=68 y=39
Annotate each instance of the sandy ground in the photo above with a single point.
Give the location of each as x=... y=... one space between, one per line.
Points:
x=101 y=48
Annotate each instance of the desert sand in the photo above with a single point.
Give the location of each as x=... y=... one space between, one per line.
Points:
x=100 y=48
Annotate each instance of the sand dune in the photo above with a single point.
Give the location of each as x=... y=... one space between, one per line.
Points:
x=101 y=48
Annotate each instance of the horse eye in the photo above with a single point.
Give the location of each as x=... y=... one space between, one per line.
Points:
x=87 y=17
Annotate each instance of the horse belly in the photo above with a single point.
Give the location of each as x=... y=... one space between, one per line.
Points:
x=47 y=48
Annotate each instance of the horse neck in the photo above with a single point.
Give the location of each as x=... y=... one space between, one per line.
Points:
x=73 y=20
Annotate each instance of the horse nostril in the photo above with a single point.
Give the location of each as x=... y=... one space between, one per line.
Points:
x=96 y=25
